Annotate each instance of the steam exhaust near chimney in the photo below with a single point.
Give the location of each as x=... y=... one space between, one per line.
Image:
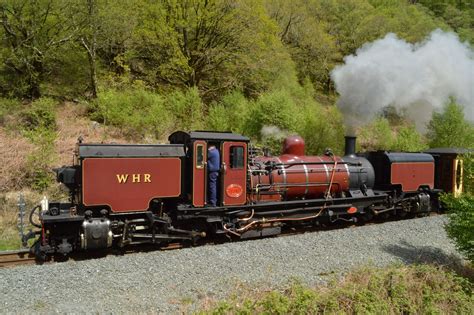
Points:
x=350 y=147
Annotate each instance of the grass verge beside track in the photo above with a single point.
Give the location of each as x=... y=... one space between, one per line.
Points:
x=414 y=289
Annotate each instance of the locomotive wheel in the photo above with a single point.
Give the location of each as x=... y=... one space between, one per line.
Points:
x=40 y=256
x=401 y=214
x=362 y=219
x=60 y=258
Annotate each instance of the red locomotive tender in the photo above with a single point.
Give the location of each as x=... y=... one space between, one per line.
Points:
x=132 y=194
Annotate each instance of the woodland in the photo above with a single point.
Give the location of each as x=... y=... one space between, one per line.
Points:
x=137 y=70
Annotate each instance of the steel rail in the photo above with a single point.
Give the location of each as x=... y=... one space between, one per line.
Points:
x=16 y=258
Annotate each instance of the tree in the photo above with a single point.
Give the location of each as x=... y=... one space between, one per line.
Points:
x=185 y=43
x=377 y=135
x=312 y=48
x=88 y=40
x=385 y=134
x=458 y=14
x=105 y=31
x=33 y=30
x=450 y=129
x=408 y=139
x=215 y=45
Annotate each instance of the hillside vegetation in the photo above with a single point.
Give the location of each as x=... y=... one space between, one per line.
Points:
x=105 y=71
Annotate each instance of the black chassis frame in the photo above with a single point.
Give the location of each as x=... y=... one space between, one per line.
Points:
x=284 y=209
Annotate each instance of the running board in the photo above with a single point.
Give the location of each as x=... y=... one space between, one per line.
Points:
x=357 y=201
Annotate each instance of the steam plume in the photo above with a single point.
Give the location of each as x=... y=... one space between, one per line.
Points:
x=417 y=77
x=273 y=132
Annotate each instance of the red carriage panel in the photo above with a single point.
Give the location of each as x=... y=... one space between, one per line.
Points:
x=234 y=158
x=413 y=175
x=129 y=184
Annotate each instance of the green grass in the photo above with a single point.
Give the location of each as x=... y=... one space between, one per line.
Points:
x=9 y=237
x=9 y=231
x=417 y=289
x=10 y=242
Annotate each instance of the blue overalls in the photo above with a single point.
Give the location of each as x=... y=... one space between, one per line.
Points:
x=213 y=167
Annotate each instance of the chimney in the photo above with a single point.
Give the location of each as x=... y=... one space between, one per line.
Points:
x=350 y=148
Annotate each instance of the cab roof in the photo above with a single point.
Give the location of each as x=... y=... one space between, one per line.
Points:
x=184 y=137
x=449 y=151
x=93 y=150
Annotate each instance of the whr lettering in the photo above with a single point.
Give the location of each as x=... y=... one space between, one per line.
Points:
x=134 y=178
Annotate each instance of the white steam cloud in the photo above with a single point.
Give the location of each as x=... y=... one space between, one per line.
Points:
x=273 y=132
x=419 y=78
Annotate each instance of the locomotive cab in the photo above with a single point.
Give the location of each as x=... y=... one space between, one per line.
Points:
x=232 y=185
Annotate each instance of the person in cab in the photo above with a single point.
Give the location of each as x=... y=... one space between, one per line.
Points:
x=213 y=168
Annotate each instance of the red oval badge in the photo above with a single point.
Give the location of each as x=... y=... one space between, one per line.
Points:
x=234 y=190
x=352 y=210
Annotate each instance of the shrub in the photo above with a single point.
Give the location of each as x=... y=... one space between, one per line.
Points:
x=230 y=114
x=136 y=112
x=40 y=115
x=461 y=222
x=35 y=122
x=468 y=173
x=186 y=108
x=394 y=290
x=321 y=128
x=13 y=160
x=408 y=139
x=381 y=135
x=377 y=135
x=218 y=118
x=272 y=117
x=275 y=108
x=280 y=113
x=7 y=107
x=450 y=129
x=38 y=124
x=39 y=173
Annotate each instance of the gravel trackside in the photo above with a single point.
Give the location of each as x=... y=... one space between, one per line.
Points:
x=179 y=280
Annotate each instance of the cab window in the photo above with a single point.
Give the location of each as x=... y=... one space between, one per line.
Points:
x=199 y=156
x=237 y=157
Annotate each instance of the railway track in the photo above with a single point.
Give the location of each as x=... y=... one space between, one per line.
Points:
x=16 y=258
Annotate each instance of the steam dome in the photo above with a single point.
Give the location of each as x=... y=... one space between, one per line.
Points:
x=293 y=145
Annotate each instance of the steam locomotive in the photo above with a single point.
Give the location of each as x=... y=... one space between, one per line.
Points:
x=122 y=195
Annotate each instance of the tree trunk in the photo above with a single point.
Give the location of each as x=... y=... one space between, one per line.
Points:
x=34 y=90
x=93 y=74
x=35 y=74
x=91 y=46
